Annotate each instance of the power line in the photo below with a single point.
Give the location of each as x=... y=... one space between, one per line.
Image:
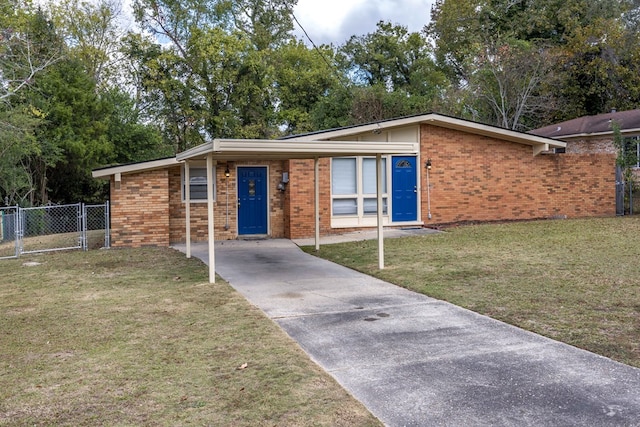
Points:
x=332 y=67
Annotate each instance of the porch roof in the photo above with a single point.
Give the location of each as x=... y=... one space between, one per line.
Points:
x=251 y=149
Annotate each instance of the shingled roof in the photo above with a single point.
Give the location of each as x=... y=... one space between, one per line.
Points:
x=586 y=126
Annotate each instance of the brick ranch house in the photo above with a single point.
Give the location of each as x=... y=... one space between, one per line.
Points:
x=435 y=170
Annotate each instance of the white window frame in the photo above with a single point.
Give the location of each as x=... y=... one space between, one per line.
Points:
x=360 y=218
x=201 y=167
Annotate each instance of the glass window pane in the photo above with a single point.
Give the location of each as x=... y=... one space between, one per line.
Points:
x=371 y=206
x=198 y=183
x=343 y=176
x=345 y=207
x=369 y=176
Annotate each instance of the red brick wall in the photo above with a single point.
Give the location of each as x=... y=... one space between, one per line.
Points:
x=475 y=178
x=140 y=210
x=301 y=205
x=199 y=229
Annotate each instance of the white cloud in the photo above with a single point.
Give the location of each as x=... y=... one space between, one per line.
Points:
x=334 y=21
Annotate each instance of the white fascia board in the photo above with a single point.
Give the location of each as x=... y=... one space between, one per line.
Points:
x=239 y=149
x=132 y=168
x=199 y=151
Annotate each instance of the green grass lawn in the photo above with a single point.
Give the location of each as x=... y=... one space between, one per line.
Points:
x=139 y=337
x=577 y=281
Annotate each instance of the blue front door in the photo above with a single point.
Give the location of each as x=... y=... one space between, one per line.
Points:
x=405 y=189
x=252 y=200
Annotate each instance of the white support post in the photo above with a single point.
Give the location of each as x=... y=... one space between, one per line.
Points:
x=187 y=207
x=316 y=174
x=379 y=195
x=210 y=219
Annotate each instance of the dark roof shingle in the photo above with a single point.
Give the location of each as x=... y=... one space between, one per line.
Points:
x=600 y=123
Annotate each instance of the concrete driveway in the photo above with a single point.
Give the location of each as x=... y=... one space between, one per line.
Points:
x=416 y=361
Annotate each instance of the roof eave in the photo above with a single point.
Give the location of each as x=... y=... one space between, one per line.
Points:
x=591 y=135
x=443 y=121
x=244 y=149
x=107 y=172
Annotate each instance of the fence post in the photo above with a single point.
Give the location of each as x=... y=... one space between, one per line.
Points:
x=107 y=227
x=83 y=225
x=19 y=231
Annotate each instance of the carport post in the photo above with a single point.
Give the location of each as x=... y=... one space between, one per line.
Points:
x=379 y=203
x=316 y=175
x=187 y=207
x=212 y=257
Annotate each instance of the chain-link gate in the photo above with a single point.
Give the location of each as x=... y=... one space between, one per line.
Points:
x=95 y=226
x=9 y=247
x=53 y=228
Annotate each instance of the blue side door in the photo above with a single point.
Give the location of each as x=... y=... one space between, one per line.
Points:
x=405 y=189
x=252 y=200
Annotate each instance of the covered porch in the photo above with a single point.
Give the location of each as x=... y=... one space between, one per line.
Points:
x=224 y=150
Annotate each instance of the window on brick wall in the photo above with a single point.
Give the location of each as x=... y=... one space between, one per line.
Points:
x=198 y=183
x=635 y=144
x=353 y=187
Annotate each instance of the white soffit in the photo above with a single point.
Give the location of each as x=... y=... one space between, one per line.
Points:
x=248 y=149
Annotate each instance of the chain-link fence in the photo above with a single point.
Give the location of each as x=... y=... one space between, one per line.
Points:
x=53 y=228
x=9 y=232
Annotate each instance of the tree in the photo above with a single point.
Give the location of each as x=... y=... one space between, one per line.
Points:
x=268 y=24
x=132 y=140
x=509 y=58
x=29 y=48
x=93 y=36
x=73 y=136
x=215 y=76
x=599 y=68
x=395 y=71
x=508 y=84
x=302 y=79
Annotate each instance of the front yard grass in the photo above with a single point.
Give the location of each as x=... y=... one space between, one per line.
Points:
x=576 y=281
x=139 y=337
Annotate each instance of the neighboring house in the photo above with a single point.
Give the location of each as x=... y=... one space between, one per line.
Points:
x=267 y=188
x=594 y=134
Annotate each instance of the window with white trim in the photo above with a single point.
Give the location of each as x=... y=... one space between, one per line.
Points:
x=198 y=183
x=353 y=187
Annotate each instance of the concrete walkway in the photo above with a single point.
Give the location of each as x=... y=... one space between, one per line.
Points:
x=416 y=361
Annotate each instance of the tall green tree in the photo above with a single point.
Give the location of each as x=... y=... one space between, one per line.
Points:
x=302 y=79
x=214 y=76
x=74 y=134
x=93 y=35
x=29 y=48
x=509 y=58
x=395 y=72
